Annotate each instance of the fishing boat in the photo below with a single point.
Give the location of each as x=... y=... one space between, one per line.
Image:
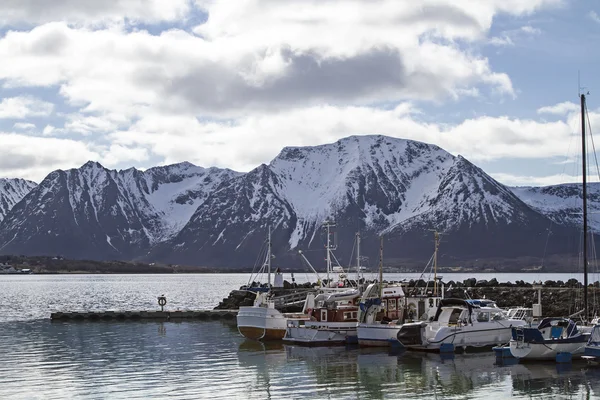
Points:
x=262 y=321
x=384 y=308
x=333 y=313
x=459 y=324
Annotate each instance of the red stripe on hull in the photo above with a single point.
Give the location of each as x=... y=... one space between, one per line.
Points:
x=255 y=333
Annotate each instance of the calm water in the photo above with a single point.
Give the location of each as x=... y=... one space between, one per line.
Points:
x=208 y=359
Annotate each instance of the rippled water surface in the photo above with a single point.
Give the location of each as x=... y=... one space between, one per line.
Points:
x=40 y=359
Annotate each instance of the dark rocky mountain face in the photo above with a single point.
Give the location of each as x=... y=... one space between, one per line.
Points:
x=378 y=185
x=212 y=217
x=96 y=213
x=11 y=192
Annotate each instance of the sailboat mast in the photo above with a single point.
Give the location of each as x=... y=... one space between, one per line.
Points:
x=381 y=267
x=585 y=222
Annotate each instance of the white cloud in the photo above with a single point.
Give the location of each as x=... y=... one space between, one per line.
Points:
x=33 y=157
x=528 y=180
x=501 y=41
x=510 y=37
x=594 y=16
x=259 y=138
x=116 y=154
x=531 y=30
x=260 y=75
x=24 y=126
x=559 y=109
x=90 y=12
x=24 y=106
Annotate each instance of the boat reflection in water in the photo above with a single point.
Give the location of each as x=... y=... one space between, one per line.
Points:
x=341 y=372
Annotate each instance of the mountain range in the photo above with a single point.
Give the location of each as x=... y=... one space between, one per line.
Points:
x=378 y=185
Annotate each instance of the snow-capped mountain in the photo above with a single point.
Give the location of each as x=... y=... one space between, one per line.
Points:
x=377 y=184
x=93 y=212
x=11 y=192
x=563 y=203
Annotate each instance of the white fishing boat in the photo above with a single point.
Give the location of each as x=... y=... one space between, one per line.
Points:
x=384 y=308
x=262 y=321
x=333 y=313
x=557 y=339
x=332 y=320
x=459 y=324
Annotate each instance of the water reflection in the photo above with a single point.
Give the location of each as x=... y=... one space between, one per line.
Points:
x=209 y=359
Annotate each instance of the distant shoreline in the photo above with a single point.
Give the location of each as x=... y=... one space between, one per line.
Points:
x=58 y=265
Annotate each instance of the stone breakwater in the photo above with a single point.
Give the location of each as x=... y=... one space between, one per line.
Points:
x=558 y=298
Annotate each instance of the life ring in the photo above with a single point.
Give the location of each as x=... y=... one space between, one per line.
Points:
x=162 y=301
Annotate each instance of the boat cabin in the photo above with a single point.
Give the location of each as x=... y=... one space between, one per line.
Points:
x=459 y=312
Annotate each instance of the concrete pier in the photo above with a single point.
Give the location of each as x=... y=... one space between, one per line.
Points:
x=142 y=315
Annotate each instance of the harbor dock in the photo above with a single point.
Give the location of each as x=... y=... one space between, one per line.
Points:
x=142 y=315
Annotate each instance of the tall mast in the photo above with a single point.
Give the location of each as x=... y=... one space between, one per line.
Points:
x=357 y=257
x=269 y=259
x=328 y=226
x=381 y=267
x=436 y=236
x=585 y=222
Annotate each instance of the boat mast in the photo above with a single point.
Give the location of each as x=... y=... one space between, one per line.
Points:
x=357 y=257
x=269 y=259
x=436 y=236
x=585 y=222
x=328 y=226
x=381 y=267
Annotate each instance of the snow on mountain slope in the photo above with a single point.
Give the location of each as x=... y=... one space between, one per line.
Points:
x=11 y=192
x=373 y=183
x=384 y=177
x=563 y=203
x=108 y=213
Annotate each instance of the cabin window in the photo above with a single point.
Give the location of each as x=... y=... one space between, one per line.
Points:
x=384 y=304
x=323 y=315
x=392 y=304
x=483 y=317
x=347 y=315
x=454 y=316
x=354 y=314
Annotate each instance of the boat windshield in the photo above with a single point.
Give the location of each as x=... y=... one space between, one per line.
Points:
x=497 y=316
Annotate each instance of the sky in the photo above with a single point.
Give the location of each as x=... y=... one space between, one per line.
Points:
x=229 y=83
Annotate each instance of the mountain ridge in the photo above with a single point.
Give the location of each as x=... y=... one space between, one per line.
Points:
x=191 y=215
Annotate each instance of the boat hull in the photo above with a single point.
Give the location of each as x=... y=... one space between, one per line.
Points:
x=377 y=335
x=546 y=350
x=455 y=338
x=321 y=333
x=263 y=323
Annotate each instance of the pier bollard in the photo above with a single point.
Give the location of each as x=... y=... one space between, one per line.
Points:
x=162 y=302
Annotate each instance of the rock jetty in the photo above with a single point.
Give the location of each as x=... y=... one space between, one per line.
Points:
x=558 y=298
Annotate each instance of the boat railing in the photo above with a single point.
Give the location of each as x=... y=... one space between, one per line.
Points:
x=291 y=298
